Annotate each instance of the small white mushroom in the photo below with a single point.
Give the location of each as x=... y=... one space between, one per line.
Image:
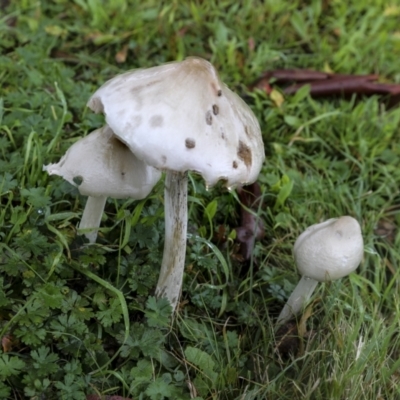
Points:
x=323 y=252
x=101 y=166
x=179 y=117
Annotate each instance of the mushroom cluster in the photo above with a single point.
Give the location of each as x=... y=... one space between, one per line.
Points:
x=180 y=117
x=323 y=252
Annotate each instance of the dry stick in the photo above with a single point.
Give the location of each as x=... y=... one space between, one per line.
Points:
x=345 y=86
x=328 y=84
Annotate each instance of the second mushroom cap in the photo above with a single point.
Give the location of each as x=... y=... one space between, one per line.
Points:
x=101 y=165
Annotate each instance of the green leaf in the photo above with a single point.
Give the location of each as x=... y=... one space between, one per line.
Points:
x=211 y=209
x=68 y=324
x=284 y=187
x=72 y=388
x=299 y=24
x=1 y=109
x=36 y=197
x=50 y=295
x=142 y=340
x=18 y=216
x=301 y=94
x=158 y=389
x=4 y=294
x=150 y=343
x=44 y=361
x=144 y=236
x=10 y=365
x=78 y=306
x=158 y=312
x=111 y=313
x=201 y=386
x=4 y=391
x=30 y=336
x=7 y=183
x=292 y=121
x=33 y=241
x=98 y=12
x=201 y=360
x=143 y=372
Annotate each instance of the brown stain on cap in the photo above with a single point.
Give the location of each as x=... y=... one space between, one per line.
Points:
x=244 y=153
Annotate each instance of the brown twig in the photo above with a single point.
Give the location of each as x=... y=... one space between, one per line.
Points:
x=252 y=227
x=328 y=84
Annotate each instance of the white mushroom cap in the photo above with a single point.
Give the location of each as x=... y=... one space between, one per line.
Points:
x=180 y=116
x=329 y=250
x=101 y=165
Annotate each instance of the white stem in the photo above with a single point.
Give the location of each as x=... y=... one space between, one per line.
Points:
x=91 y=217
x=175 y=197
x=300 y=296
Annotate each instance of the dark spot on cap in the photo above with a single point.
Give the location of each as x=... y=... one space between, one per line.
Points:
x=244 y=153
x=216 y=89
x=190 y=143
x=222 y=133
x=156 y=121
x=123 y=173
x=77 y=180
x=208 y=118
x=215 y=109
x=235 y=164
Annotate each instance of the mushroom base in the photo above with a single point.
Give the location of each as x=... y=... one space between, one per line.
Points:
x=175 y=196
x=300 y=296
x=91 y=217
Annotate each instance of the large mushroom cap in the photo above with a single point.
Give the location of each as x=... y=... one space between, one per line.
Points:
x=329 y=250
x=180 y=116
x=101 y=165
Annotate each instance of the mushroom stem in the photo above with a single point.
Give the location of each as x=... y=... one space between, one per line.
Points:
x=91 y=217
x=297 y=299
x=173 y=263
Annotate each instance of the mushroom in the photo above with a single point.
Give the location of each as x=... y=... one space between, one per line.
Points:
x=101 y=166
x=323 y=252
x=179 y=117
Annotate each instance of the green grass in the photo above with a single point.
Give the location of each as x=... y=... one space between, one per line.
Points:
x=78 y=320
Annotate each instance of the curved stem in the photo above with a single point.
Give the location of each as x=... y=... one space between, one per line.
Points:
x=175 y=196
x=300 y=296
x=91 y=217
